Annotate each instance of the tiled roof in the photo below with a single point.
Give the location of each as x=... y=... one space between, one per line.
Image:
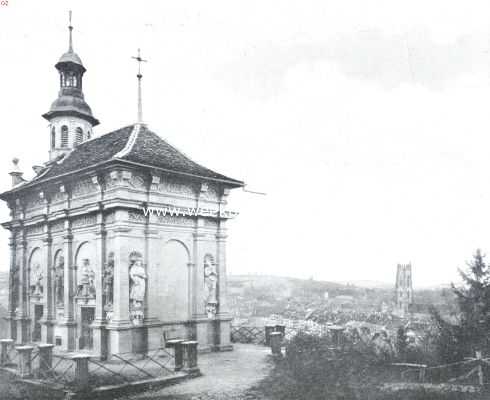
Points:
x=91 y=152
x=151 y=149
x=129 y=144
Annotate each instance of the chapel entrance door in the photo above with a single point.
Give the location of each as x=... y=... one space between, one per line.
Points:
x=38 y=314
x=87 y=335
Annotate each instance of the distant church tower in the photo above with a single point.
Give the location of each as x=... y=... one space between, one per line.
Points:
x=70 y=117
x=404 y=291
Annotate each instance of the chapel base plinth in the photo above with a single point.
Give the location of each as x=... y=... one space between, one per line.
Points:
x=154 y=337
x=23 y=328
x=67 y=331
x=202 y=329
x=47 y=331
x=120 y=337
x=100 y=348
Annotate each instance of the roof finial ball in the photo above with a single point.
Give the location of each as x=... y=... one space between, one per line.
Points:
x=16 y=173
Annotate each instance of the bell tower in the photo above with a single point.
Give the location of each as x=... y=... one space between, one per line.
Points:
x=404 y=290
x=70 y=117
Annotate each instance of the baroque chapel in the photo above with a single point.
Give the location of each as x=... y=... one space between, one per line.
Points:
x=89 y=270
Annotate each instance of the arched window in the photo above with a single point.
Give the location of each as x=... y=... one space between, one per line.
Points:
x=78 y=135
x=64 y=136
x=53 y=137
x=88 y=135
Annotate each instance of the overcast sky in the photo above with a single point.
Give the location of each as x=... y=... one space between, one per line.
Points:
x=365 y=122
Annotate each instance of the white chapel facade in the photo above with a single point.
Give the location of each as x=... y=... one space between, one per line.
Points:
x=88 y=269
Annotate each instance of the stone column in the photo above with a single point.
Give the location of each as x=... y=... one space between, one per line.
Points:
x=68 y=325
x=45 y=359
x=47 y=331
x=81 y=371
x=120 y=335
x=190 y=356
x=22 y=319
x=276 y=341
x=99 y=324
x=25 y=364
x=178 y=354
x=268 y=330
x=13 y=286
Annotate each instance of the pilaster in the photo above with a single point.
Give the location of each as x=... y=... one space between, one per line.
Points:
x=47 y=331
x=99 y=324
x=22 y=317
x=197 y=274
x=13 y=286
x=120 y=335
x=67 y=325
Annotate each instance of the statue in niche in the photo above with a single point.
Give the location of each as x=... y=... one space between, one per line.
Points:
x=86 y=287
x=108 y=282
x=137 y=287
x=210 y=284
x=59 y=281
x=37 y=286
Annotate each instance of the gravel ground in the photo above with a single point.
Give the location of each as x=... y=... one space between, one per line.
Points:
x=226 y=376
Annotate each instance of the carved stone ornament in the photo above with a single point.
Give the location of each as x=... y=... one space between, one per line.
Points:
x=137 y=287
x=37 y=281
x=210 y=285
x=86 y=284
x=108 y=284
x=59 y=281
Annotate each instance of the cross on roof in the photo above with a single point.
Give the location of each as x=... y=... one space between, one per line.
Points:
x=140 y=101
x=140 y=60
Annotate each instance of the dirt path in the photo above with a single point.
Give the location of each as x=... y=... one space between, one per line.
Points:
x=226 y=375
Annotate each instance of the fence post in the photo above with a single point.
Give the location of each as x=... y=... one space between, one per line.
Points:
x=275 y=340
x=480 y=368
x=4 y=355
x=190 y=356
x=178 y=354
x=81 y=371
x=268 y=330
x=25 y=364
x=45 y=359
x=281 y=328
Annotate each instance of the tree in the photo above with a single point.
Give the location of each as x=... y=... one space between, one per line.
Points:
x=473 y=299
x=474 y=303
x=401 y=343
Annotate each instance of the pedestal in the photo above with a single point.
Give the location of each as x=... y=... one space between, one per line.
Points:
x=276 y=341
x=190 y=356
x=176 y=344
x=268 y=330
x=45 y=359
x=25 y=364
x=81 y=371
